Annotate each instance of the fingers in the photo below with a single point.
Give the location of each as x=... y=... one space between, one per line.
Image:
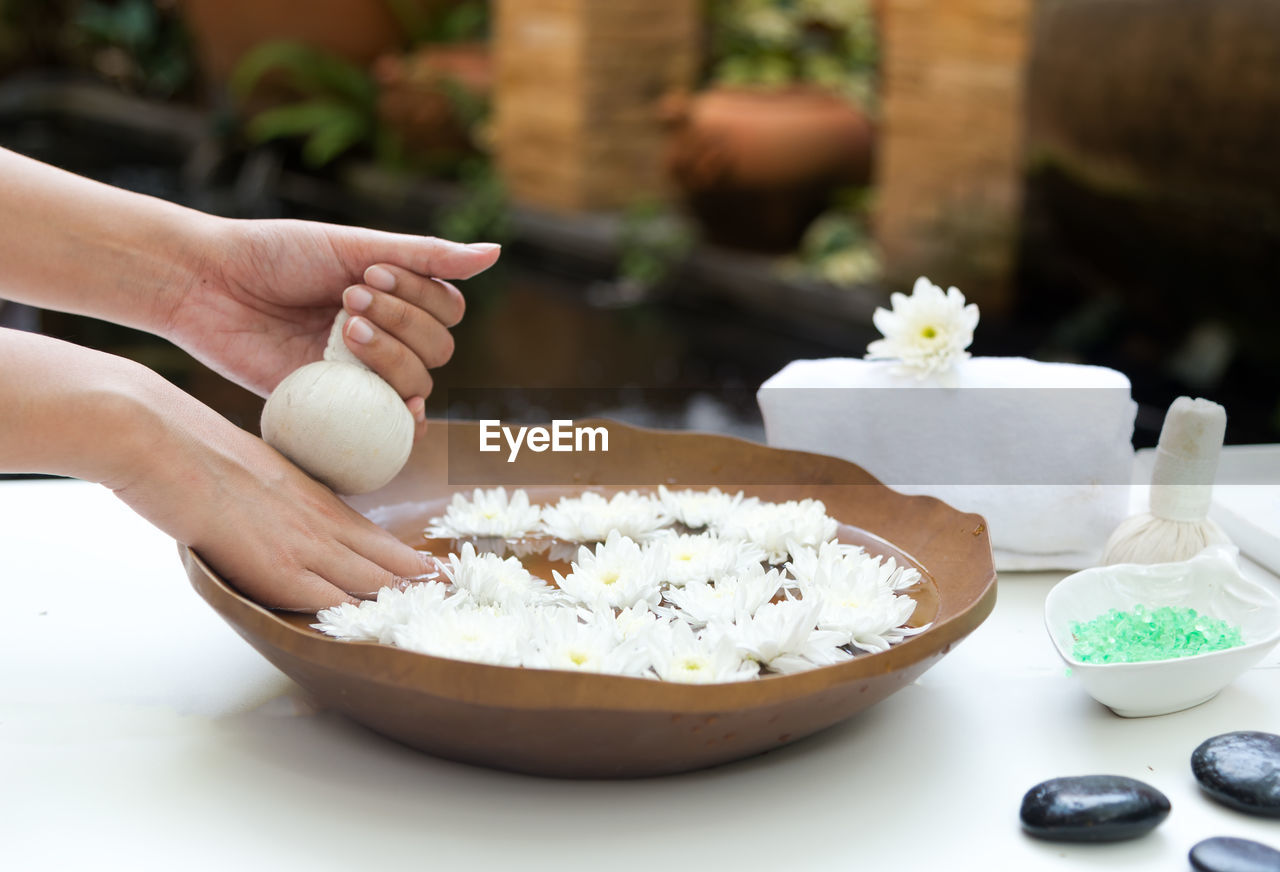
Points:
x=440 y=298
x=418 y=408
x=416 y=327
x=428 y=256
x=390 y=358
x=301 y=592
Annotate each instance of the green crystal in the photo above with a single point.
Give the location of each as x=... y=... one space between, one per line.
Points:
x=1150 y=634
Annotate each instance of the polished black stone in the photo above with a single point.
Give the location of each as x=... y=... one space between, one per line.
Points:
x=1241 y=770
x=1222 y=854
x=1092 y=808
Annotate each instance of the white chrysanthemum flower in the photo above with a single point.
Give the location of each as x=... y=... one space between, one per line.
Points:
x=700 y=604
x=698 y=509
x=805 y=560
x=488 y=514
x=619 y=573
x=373 y=620
x=776 y=528
x=465 y=632
x=927 y=331
x=679 y=655
x=591 y=518
x=492 y=580
x=627 y=624
x=684 y=559
x=784 y=637
x=561 y=641
x=858 y=599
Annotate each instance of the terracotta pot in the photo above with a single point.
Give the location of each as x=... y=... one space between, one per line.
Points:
x=223 y=30
x=415 y=98
x=755 y=167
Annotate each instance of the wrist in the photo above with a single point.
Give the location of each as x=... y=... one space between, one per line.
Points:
x=196 y=244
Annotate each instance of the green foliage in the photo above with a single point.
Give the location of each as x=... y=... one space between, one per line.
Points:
x=136 y=44
x=483 y=215
x=775 y=43
x=837 y=247
x=652 y=243
x=337 y=110
x=461 y=22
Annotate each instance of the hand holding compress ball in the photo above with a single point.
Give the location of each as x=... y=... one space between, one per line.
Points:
x=254 y=300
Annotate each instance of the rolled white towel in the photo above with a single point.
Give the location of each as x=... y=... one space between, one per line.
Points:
x=1042 y=450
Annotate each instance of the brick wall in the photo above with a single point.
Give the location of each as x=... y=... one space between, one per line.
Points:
x=579 y=83
x=950 y=162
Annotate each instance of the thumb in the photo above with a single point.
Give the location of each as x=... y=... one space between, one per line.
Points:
x=425 y=255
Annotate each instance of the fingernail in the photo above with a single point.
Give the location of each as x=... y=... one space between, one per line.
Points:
x=356 y=298
x=380 y=278
x=484 y=247
x=359 y=330
x=418 y=407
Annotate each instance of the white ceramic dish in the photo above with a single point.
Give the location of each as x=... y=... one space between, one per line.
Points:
x=1210 y=583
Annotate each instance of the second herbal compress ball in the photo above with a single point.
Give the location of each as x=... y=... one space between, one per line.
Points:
x=339 y=421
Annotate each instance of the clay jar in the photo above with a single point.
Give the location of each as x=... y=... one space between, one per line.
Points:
x=414 y=97
x=755 y=167
x=224 y=30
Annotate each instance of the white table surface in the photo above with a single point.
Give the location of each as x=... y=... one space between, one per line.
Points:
x=138 y=731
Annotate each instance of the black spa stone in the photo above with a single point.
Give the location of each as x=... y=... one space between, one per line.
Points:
x=1222 y=854
x=1092 y=808
x=1241 y=770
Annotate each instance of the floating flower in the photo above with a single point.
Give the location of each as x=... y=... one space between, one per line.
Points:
x=783 y=636
x=591 y=518
x=677 y=654
x=858 y=599
x=561 y=641
x=776 y=528
x=462 y=631
x=373 y=620
x=616 y=575
x=691 y=558
x=804 y=561
x=722 y=618
x=702 y=603
x=626 y=624
x=698 y=509
x=489 y=513
x=492 y=580
x=927 y=331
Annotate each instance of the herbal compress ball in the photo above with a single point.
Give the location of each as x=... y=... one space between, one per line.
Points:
x=339 y=421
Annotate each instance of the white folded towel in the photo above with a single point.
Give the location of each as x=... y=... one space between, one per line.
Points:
x=1043 y=451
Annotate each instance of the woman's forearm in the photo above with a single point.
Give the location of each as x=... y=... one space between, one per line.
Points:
x=75 y=245
x=72 y=411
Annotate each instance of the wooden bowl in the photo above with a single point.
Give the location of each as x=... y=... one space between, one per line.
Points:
x=566 y=724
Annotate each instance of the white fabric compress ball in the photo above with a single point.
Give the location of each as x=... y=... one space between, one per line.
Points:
x=339 y=421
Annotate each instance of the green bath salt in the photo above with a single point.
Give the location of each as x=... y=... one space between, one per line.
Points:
x=1150 y=634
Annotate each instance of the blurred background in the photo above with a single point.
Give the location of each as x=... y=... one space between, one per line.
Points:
x=694 y=192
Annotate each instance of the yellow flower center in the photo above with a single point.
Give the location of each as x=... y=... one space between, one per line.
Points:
x=578 y=658
x=608 y=578
x=929 y=332
x=691 y=665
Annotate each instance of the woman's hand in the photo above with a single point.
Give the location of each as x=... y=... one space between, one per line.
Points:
x=266 y=293
x=283 y=539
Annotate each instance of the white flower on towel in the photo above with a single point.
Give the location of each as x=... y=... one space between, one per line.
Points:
x=927 y=331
